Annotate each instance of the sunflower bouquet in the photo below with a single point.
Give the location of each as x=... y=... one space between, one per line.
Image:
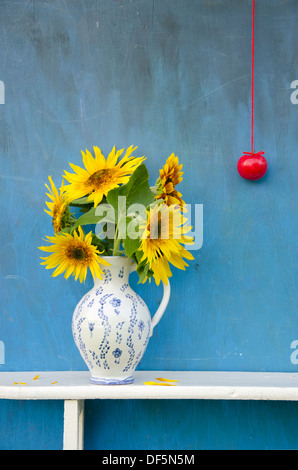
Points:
x=108 y=208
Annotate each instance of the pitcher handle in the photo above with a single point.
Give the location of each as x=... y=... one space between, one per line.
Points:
x=164 y=303
x=161 y=309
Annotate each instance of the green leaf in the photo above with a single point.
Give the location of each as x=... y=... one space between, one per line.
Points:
x=144 y=271
x=131 y=246
x=136 y=190
x=96 y=214
x=104 y=246
x=89 y=218
x=68 y=229
x=81 y=201
x=139 y=255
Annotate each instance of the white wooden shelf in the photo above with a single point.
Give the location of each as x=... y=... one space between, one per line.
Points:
x=74 y=387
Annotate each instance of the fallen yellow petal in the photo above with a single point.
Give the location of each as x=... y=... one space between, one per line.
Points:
x=36 y=377
x=167 y=380
x=161 y=384
x=54 y=382
x=15 y=383
x=23 y=383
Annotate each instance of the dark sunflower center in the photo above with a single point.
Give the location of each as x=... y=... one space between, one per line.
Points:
x=78 y=253
x=155 y=227
x=99 y=177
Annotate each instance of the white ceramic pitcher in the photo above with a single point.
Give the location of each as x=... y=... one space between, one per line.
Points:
x=112 y=325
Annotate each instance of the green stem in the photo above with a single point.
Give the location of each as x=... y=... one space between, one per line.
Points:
x=116 y=247
x=116 y=242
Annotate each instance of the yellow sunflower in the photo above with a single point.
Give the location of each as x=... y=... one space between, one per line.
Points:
x=58 y=205
x=73 y=254
x=100 y=175
x=164 y=233
x=169 y=176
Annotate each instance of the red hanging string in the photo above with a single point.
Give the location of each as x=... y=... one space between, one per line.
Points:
x=252 y=165
x=252 y=76
x=252 y=153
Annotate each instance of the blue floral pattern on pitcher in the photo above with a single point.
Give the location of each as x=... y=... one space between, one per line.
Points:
x=111 y=326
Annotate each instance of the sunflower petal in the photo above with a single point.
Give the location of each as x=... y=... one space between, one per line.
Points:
x=73 y=255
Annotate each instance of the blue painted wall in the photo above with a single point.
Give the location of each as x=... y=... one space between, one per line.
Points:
x=168 y=76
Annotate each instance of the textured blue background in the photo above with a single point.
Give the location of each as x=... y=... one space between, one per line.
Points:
x=168 y=76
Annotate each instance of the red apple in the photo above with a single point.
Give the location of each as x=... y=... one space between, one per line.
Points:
x=252 y=166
